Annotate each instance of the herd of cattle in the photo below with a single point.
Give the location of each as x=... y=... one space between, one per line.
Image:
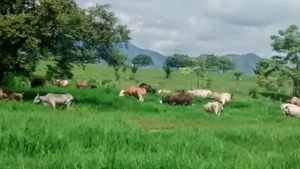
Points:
x=180 y=98
x=291 y=108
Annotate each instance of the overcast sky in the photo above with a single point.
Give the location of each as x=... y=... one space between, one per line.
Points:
x=194 y=27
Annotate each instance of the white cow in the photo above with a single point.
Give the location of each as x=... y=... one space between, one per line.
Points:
x=221 y=97
x=200 y=92
x=164 y=91
x=214 y=107
x=290 y=110
x=61 y=83
x=55 y=99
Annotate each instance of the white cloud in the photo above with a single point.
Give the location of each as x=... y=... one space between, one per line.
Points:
x=206 y=26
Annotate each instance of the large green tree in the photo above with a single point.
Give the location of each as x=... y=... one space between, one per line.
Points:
x=140 y=61
x=287 y=45
x=57 y=30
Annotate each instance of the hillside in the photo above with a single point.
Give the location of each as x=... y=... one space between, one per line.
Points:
x=132 y=51
x=244 y=62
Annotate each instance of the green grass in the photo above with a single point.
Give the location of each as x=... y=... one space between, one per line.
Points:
x=103 y=130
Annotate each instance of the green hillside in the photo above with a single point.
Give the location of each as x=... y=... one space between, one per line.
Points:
x=103 y=130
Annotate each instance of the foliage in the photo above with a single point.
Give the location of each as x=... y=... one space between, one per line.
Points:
x=178 y=61
x=58 y=31
x=237 y=75
x=253 y=92
x=168 y=70
x=287 y=44
x=142 y=60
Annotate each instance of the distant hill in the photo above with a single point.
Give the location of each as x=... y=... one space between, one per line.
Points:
x=244 y=63
x=132 y=51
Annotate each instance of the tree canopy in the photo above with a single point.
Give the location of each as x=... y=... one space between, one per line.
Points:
x=56 y=30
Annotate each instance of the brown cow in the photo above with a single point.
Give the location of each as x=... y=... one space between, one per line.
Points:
x=82 y=84
x=136 y=91
x=11 y=95
x=148 y=88
x=178 y=99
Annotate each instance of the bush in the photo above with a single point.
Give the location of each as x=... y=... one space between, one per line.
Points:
x=253 y=93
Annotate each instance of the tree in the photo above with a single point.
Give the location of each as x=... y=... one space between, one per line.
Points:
x=224 y=64
x=141 y=61
x=287 y=45
x=178 y=61
x=117 y=61
x=58 y=31
x=237 y=75
x=168 y=70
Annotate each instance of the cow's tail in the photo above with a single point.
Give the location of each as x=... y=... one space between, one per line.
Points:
x=122 y=93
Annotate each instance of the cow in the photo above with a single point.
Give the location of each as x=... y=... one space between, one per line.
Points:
x=14 y=96
x=38 y=82
x=294 y=100
x=200 y=92
x=290 y=110
x=11 y=95
x=164 y=91
x=61 y=83
x=3 y=95
x=148 y=88
x=82 y=84
x=221 y=97
x=215 y=107
x=178 y=99
x=136 y=91
x=52 y=99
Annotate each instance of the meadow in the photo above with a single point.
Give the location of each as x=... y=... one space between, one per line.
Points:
x=105 y=131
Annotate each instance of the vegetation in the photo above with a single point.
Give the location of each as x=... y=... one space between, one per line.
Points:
x=283 y=69
x=57 y=31
x=103 y=130
x=140 y=61
x=237 y=75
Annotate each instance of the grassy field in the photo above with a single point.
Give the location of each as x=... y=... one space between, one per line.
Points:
x=105 y=131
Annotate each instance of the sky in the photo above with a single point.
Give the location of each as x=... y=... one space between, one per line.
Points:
x=195 y=27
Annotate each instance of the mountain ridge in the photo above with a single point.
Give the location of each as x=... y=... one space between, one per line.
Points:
x=244 y=62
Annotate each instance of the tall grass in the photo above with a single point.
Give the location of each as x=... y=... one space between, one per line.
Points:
x=103 y=130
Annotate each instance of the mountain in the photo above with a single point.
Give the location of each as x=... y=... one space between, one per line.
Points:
x=245 y=62
x=132 y=51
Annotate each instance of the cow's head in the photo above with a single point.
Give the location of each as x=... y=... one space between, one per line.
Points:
x=37 y=99
x=147 y=87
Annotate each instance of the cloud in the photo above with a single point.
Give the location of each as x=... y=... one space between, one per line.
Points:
x=206 y=26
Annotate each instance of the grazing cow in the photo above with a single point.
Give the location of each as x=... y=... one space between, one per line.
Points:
x=38 y=82
x=14 y=96
x=164 y=91
x=290 y=110
x=82 y=84
x=221 y=97
x=178 y=99
x=136 y=91
x=64 y=100
x=148 y=88
x=200 y=92
x=3 y=95
x=294 y=100
x=61 y=83
x=215 y=107
x=11 y=95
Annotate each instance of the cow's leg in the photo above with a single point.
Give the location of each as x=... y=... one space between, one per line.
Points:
x=53 y=104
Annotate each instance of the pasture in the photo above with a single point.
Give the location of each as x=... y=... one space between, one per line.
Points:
x=105 y=131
